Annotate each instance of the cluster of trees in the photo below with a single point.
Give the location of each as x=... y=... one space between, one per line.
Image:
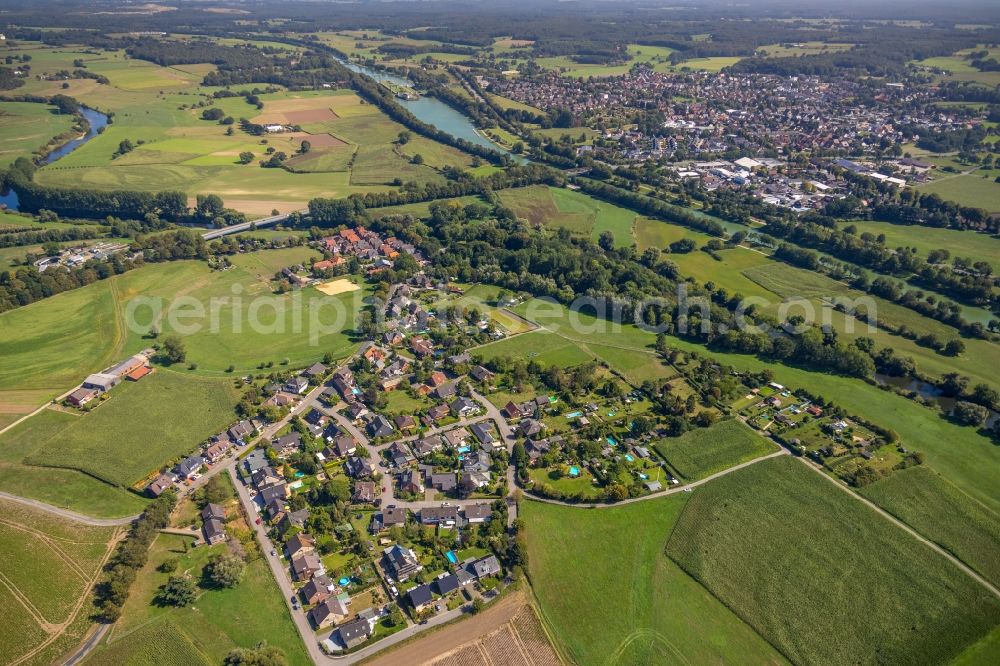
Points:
x=36 y=236
x=113 y=590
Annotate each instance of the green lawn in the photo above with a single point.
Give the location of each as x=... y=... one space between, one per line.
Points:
x=68 y=488
x=609 y=595
x=579 y=213
x=704 y=451
x=788 y=552
x=944 y=514
x=141 y=426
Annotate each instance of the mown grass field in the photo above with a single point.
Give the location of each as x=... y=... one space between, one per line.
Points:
x=219 y=621
x=788 y=552
x=615 y=598
x=704 y=451
x=961 y=455
x=976 y=246
x=967 y=189
x=25 y=127
x=46 y=566
x=139 y=428
x=579 y=213
x=943 y=513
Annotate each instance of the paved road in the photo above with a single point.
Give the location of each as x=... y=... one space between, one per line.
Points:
x=87 y=646
x=66 y=513
x=670 y=491
x=246 y=226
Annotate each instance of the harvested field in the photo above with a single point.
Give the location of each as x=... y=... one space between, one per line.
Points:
x=309 y=116
x=507 y=633
x=338 y=286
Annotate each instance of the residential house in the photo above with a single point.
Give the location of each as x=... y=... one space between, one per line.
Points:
x=484 y=567
x=411 y=481
x=296 y=385
x=482 y=374
x=401 y=562
x=530 y=427
x=380 y=427
x=400 y=454
x=300 y=544
x=462 y=407
x=82 y=396
x=358 y=467
x=442 y=481
x=437 y=413
x=456 y=437
x=427 y=445
x=317 y=590
x=446 y=584
x=484 y=433
x=477 y=513
x=307 y=565
x=161 y=483
x=421 y=347
x=288 y=444
x=276 y=493
x=315 y=371
x=190 y=466
x=420 y=597
x=511 y=411
x=388 y=517
x=344 y=446
x=477 y=461
x=436 y=379
x=405 y=422
x=218 y=450
x=473 y=481
x=292 y=519
x=257 y=459
x=445 y=516
x=242 y=431
x=329 y=612
x=355 y=632
x=365 y=492
x=445 y=391
x=100 y=382
x=213 y=524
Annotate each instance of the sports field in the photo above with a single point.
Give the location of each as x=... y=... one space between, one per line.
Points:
x=47 y=567
x=704 y=451
x=787 y=551
x=641 y=607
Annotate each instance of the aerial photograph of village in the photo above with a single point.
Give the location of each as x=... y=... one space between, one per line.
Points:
x=521 y=333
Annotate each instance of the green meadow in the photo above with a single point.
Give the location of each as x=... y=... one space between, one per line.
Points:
x=969 y=189
x=788 y=552
x=960 y=454
x=25 y=127
x=576 y=212
x=641 y=608
x=132 y=434
x=975 y=246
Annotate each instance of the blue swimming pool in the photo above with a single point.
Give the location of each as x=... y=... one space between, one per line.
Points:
x=628 y=457
x=574 y=415
x=463 y=449
x=344 y=581
x=451 y=557
x=612 y=441
x=574 y=471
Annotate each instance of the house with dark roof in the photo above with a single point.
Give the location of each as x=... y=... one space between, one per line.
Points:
x=401 y=562
x=288 y=444
x=299 y=544
x=307 y=565
x=456 y=436
x=411 y=481
x=214 y=531
x=359 y=467
x=445 y=391
x=365 y=492
x=446 y=584
x=477 y=513
x=330 y=611
x=296 y=385
x=315 y=370
x=276 y=493
x=483 y=432
x=420 y=597
x=354 y=633
x=427 y=445
x=445 y=516
x=318 y=589
x=445 y=482
x=511 y=411
x=486 y=566
x=161 y=483
x=380 y=427
x=462 y=406
x=437 y=412
x=190 y=466
x=400 y=455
